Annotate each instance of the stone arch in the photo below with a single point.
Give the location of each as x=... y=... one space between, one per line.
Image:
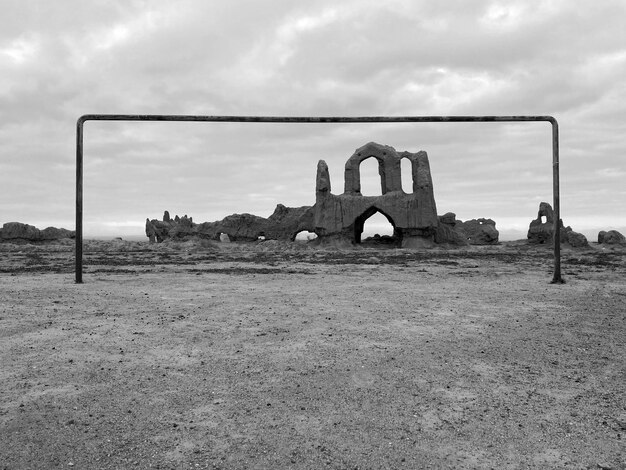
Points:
x=388 y=168
x=359 y=223
x=420 y=171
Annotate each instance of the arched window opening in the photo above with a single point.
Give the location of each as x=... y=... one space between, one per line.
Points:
x=304 y=236
x=371 y=183
x=544 y=219
x=373 y=227
x=406 y=171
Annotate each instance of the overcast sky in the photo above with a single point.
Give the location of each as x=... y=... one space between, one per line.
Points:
x=62 y=59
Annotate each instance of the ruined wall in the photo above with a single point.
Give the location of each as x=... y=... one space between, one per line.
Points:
x=283 y=224
x=12 y=231
x=413 y=215
x=542 y=230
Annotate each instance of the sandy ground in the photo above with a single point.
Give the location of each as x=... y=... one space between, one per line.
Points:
x=279 y=355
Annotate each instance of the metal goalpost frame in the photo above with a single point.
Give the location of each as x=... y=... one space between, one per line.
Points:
x=557 y=279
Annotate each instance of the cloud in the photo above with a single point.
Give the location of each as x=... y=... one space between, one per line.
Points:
x=20 y=50
x=59 y=60
x=611 y=172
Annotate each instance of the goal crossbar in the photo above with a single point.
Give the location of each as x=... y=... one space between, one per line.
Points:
x=308 y=119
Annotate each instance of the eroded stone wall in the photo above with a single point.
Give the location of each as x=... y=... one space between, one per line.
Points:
x=413 y=215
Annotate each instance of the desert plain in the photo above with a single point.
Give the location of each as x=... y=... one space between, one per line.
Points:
x=187 y=355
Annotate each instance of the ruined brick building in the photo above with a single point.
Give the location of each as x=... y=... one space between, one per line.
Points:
x=412 y=215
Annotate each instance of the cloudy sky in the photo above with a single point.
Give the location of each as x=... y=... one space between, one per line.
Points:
x=62 y=59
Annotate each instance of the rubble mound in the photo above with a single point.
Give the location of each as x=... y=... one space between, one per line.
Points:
x=17 y=231
x=448 y=230
x=480 y=231
x=612 y=237
x=284 y=224
x=452 y=231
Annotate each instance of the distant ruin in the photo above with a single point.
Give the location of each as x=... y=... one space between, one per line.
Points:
x=541 y=230
x=17 y=231
x=340 y=218
x=611 y=237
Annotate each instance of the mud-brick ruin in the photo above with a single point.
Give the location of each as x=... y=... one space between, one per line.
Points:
x=340 y=218
x=413 y=216
x=541 y=230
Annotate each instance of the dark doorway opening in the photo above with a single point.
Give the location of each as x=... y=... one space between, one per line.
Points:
x=394 y=239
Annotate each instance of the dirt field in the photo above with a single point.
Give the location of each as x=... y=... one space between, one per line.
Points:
x=279 y=355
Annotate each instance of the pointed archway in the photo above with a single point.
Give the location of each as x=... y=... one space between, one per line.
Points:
x=359 y=224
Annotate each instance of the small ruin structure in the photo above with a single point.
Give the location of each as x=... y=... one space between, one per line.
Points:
x=541 y=230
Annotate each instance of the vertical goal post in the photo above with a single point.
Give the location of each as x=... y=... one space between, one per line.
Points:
x=556 y=279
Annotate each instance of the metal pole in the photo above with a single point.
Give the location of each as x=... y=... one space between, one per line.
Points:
x=79 y=201
x=309 y=119
x=557 y=279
